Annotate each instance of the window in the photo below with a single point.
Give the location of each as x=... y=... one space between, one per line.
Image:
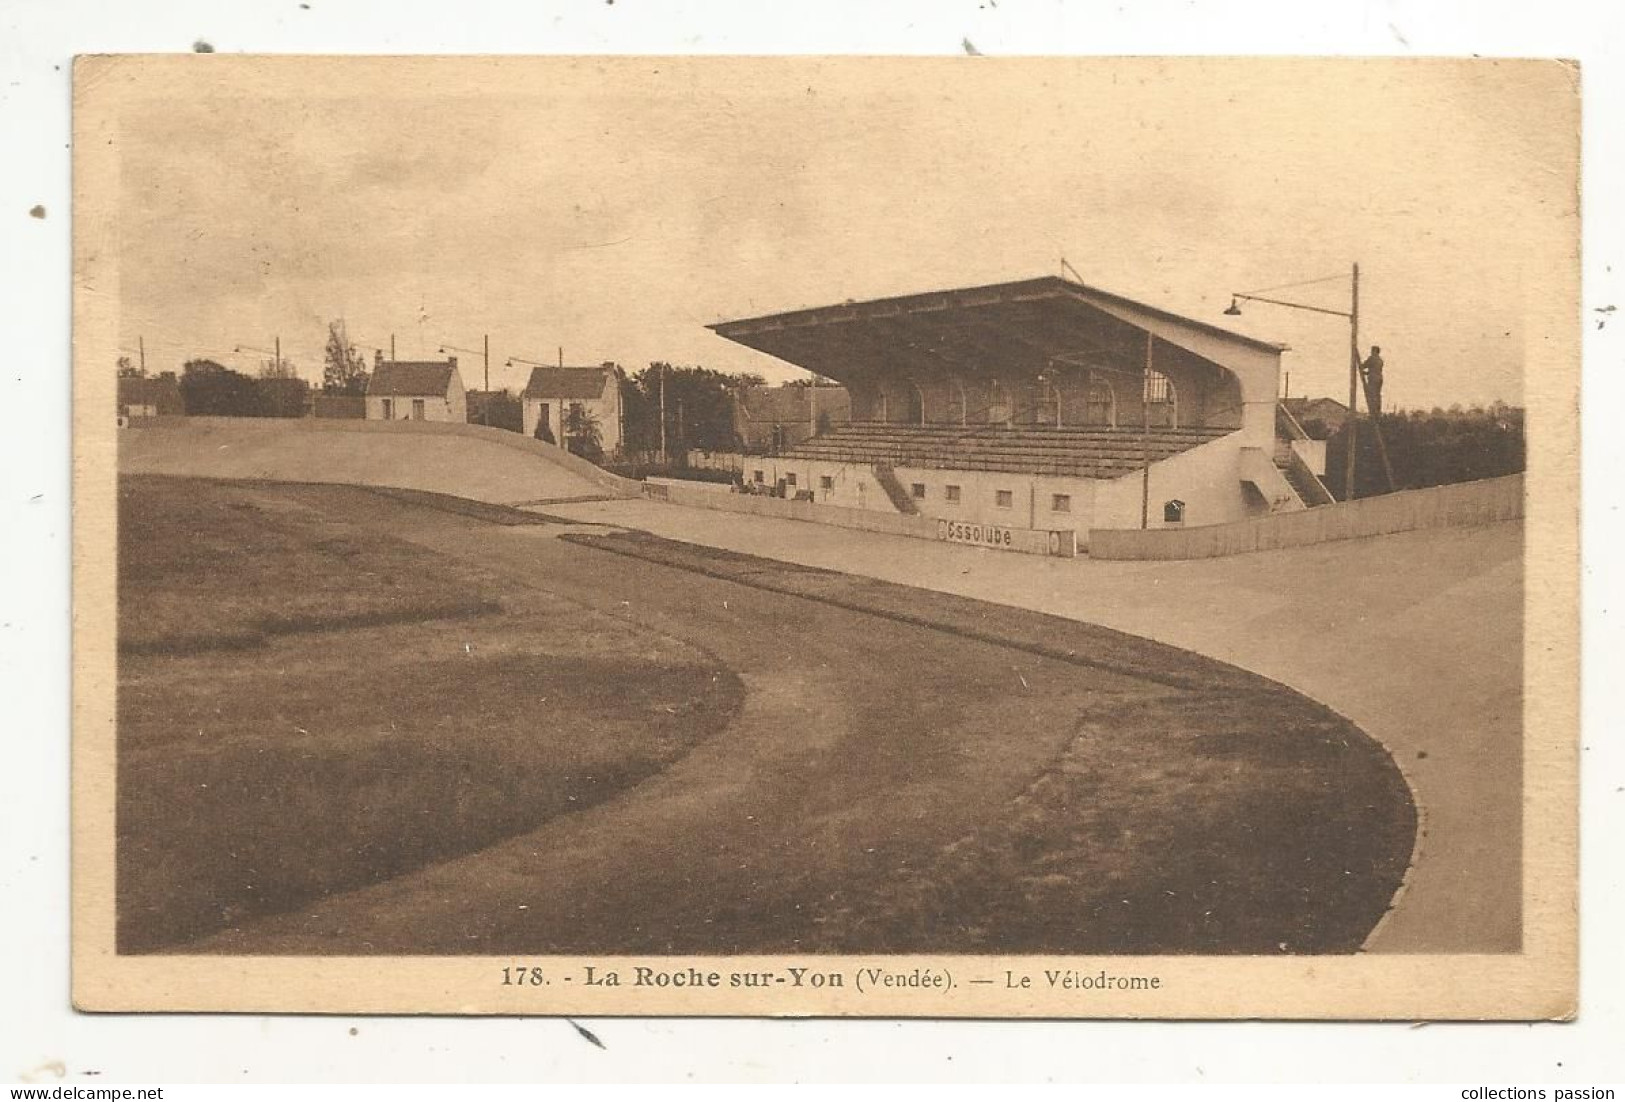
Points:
x=1060 y=503
x=417 y=409
x=951 y=492
x=917 y=489
x=826 y=482
x=389 y=409
x=1004 y=498
x=790 y=479
x=1173 y=512
x=756 y=476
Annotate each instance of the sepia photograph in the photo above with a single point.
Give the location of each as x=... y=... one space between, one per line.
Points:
x=842 y=536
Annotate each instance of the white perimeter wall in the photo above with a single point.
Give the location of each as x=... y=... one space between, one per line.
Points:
x=1206 y=478
x=1464 y=504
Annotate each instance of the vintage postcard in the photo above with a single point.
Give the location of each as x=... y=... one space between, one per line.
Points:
x=812 y=536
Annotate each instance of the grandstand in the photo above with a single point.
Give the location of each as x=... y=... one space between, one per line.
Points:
x=1043 y=404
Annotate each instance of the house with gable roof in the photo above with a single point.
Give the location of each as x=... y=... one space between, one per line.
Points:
x=552 y=391
x=416 y=390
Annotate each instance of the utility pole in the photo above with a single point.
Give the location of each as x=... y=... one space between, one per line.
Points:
x=1145 y=436
x=485 y=404
x=277 y=367
x=1354 y=385
x=663 y=455
x=392 y=348
x=141 y=345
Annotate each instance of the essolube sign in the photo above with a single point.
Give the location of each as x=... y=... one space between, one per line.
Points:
x=982 y=535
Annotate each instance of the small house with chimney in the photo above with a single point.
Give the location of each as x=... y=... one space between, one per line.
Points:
x=553 y=391
x=416 y=390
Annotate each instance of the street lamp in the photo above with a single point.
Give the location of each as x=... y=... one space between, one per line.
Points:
x=277 y=353
x=485 y=403
x=1353 y=316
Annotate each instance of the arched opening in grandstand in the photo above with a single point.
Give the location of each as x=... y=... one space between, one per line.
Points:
x=1100 y=401
x=955 y=387
x=998 y=403
x=916 y=403
x=1050 y=405
x=1161 y=401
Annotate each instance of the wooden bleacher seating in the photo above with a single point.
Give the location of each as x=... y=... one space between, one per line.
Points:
x=1087 y=451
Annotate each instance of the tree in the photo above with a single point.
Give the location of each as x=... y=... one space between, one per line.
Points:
x=583 y=435
x=209 y=389
x=544 y=431
x=282 y=393
x=128 y=370
x=498 y=408
x=344 y=370
x=1431 y=448
x=705 y=398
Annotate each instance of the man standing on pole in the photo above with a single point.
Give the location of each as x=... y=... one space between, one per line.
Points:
x=1371 y=370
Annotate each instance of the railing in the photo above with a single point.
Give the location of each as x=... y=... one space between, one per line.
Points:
x=938 y=428
x=1285 y=420
x=967 y=462
x=1309 y=479
x=1306 y=479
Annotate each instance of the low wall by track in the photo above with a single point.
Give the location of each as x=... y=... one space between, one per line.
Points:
x=1027 y=541
x=1462 y=505
x=472 y=461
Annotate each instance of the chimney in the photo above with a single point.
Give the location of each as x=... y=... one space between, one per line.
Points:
x=377 y=357
x=452 y=360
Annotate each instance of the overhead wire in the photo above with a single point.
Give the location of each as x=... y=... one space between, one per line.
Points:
x=1299 y=283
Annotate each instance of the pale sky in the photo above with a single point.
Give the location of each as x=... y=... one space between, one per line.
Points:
x=616 y=207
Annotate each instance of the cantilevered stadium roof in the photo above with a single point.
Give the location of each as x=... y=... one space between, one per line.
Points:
x=1000 y=328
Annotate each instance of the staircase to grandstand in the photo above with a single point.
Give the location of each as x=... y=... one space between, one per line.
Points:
x=1309 y=488
x=901 y=499
x=1091 y=451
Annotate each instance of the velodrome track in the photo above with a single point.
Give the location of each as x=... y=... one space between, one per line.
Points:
x=478 y=463
x=1416 y=637
x=1449 y=602
x=885 y=734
